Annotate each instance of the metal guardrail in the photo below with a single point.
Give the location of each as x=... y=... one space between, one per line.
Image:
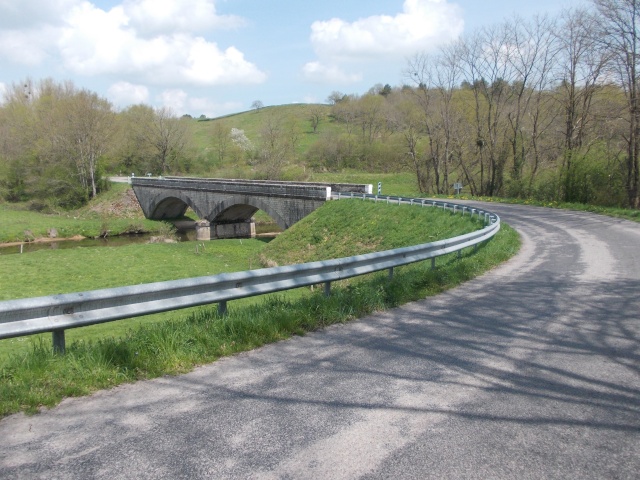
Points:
x=56 y=313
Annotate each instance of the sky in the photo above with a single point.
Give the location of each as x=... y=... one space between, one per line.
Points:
x=215 y=57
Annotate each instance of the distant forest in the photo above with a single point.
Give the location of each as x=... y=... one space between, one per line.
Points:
x=544 y=108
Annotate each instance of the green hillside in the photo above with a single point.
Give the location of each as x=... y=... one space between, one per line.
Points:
x=294 y=127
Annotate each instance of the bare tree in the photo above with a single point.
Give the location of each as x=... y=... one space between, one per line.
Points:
x=221 y=138
x=335 y=97
x=168 y=135
x=315 y=114
x=90 y=126
x=275 y=148
x=580 y=62
x=619 y=22
x=408 y=118
x=257 y=105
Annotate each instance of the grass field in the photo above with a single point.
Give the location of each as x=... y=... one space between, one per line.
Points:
x=49 y=272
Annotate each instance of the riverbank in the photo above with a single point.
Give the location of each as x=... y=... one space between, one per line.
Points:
x=75 y=238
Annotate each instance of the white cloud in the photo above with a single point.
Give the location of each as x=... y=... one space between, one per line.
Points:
x=181 y=103
x=205 y=106
x=28 y=47
x=153 y=17
x=98 y=42
x=125 y=93
x=319 y=72
x=17 y=15
x=175 y=99
x=140 y=41
x=422 y=25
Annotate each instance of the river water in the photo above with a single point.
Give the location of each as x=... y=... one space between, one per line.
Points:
x=183 y=235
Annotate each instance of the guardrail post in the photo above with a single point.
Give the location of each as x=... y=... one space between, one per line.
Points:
x=433 y=263
x=391 y=273
x=327 y=289
x=222 y=308
x=58 y=341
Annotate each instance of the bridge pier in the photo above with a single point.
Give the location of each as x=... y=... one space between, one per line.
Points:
x=244 y=229
x=203 y=230
x=206 y=230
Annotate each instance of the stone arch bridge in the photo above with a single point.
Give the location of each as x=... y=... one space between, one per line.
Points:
x=226 y=206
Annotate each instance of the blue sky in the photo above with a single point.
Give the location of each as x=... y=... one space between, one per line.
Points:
x=215 y=57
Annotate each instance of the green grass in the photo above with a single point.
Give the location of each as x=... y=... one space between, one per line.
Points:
x=86 y=222
x=350 y=227
x=106 y=355
x=49 y=272
x=16 y=222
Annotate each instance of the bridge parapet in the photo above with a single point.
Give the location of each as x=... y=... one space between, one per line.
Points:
x=335 y=187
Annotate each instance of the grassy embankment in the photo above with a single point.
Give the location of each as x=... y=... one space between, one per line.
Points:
x=33 y=376
x=113 y=213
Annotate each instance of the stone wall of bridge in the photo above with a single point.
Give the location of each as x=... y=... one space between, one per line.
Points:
x=232 y=202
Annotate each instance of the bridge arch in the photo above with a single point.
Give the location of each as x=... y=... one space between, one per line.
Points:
x=243 y=209
x=164 y=206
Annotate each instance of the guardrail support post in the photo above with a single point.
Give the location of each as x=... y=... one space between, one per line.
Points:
x=433 y=263
x=222 y=308
x=58 y=341
x=391 y=273
x=327 y=289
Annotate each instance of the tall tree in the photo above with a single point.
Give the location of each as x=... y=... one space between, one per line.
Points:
x=221 y=138
x=580 y=64
x=168 y=135
x=619 y=23
x=90 y=126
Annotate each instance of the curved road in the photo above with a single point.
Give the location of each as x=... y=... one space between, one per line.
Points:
x=531 y=371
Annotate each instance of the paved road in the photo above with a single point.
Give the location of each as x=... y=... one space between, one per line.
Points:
x=531 y=371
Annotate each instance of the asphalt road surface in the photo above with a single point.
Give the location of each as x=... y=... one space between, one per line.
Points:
x=531 y=371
